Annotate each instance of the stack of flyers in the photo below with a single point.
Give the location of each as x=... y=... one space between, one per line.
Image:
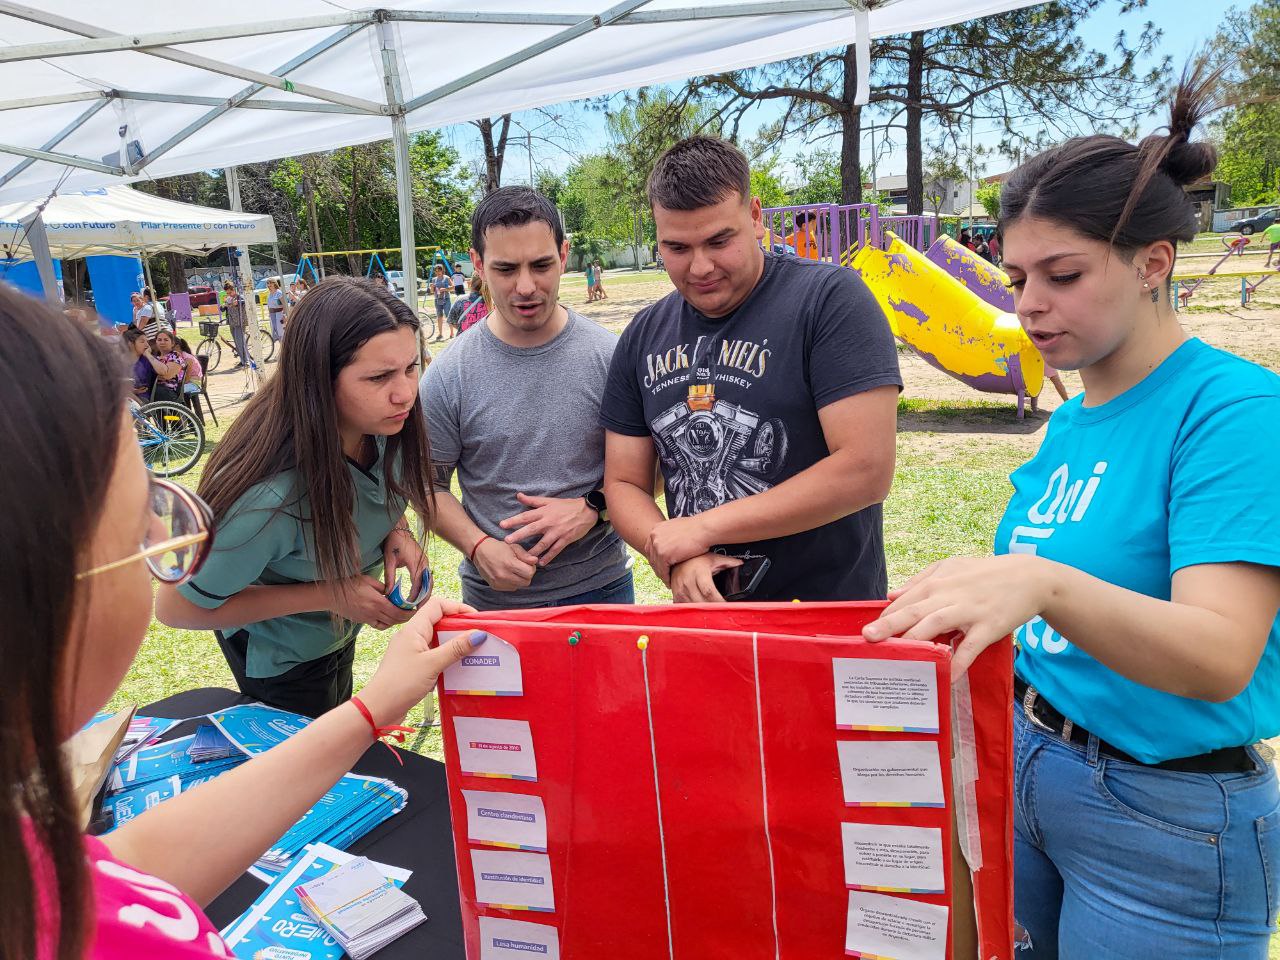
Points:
x=164 y=760
x=210 y=744
x=359 y=907
x=278 y=926
x=254 y=728
x=352 y=807
x=142 y=730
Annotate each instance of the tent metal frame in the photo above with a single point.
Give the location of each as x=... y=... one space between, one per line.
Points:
x=92 y=39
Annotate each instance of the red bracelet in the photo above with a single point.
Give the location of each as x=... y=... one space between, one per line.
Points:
x=383 y=733
x=471 y=557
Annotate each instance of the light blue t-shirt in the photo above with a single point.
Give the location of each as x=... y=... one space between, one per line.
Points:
x=1179 y=470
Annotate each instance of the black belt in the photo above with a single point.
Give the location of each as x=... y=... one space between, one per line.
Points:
x=1042 y=713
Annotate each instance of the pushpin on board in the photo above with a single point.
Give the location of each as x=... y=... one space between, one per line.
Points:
x=642 y=643
x=575 y=637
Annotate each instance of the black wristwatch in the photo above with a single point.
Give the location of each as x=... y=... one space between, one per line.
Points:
x=595 y=500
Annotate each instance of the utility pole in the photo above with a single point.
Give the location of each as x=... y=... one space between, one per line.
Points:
x=528 y=145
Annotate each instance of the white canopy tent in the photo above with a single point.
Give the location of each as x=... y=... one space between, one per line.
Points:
x=109 y=220
x=95 y=93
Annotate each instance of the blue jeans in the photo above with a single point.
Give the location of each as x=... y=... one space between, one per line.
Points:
x=621 y=590
x=1124 y=861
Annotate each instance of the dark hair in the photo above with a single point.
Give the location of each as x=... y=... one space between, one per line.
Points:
x=292 y=424
x=514 y=207
x=1123 y=194
x=48 y=502
x=133 y=335
x=699 y=172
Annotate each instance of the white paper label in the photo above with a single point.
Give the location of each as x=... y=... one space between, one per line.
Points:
x=506 y=820
x=513 y=881
x=894 y=928
x=895 y=696
x=495 y=748
x=491 y=669
x=517 y=940
x=890 y=773
x=892 y=859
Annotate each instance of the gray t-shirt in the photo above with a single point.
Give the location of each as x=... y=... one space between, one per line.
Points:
x=524 y=420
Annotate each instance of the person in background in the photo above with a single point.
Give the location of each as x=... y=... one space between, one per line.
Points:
x=459 y=281
x=599 y=275
x=764 y=387
x=966 y=240
x=1138 y=568
x=1271 y=237
x=80 y=557
x=527 y=448
x=980 y=246
x=462 y=304
x=440 y=286
x=191 y=382
x=589 y=271
x=168 y=384
x=993 y=248
x=150 y=317
x=803 y=239
x=136 y=302
x=146 y=366
x=234 y=305
x=277 y=308
x=309 y=488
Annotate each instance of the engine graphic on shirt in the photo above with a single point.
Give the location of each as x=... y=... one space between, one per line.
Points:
x=713 y=451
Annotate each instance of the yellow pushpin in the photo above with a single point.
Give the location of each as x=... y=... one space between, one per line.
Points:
x=642 y=643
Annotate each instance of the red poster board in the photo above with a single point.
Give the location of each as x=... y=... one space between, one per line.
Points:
x=735 y=850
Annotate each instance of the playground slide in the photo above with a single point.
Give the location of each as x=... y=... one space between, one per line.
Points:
x=948 y=324
x=981 y=276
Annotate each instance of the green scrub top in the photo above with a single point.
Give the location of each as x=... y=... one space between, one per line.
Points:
x=264 y=539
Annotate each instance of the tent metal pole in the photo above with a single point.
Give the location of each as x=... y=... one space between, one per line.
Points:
x=404 y=174
x=581 y=28
x=56 y=139
x=275 y=252
x=253 y=330
x=63 y=159
x=190 y=59
x=146 y=270
x=38 y=241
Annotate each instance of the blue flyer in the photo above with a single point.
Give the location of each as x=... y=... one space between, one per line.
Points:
x=127 y=805
x=255 y=728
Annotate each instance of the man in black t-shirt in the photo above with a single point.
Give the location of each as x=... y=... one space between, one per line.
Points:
x=765 y=387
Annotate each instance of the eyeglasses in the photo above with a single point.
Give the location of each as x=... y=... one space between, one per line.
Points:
x=178 y=537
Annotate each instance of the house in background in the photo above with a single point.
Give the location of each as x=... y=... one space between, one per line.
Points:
x=944 y=197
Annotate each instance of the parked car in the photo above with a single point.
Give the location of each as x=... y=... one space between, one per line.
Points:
x=397 y=280
x=201 y=296
x=1251 y=225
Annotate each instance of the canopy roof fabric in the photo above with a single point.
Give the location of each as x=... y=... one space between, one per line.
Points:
x=211 y=85
x=122 y=220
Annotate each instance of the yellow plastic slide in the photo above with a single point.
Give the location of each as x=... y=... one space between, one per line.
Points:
x=950 y=326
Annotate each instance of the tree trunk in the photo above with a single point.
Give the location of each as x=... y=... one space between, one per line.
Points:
x=177 y=276
x=353 y=239
x=494 y=151
x=915 y=112
x=313 y=225
x=851 y=133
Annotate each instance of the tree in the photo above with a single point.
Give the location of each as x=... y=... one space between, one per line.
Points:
x=1248 y=136
x=494 y=148
x=1002 y=68
x=941 y=170
x=818 y=176
x=767 y=185
x=989 y=196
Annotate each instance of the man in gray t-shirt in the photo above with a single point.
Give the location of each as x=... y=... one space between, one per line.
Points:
x=512 y=406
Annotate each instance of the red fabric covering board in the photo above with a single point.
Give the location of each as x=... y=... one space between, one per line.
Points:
x=731 y=709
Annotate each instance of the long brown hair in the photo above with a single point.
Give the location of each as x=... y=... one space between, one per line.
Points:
x=292 y=424
x=49 y=501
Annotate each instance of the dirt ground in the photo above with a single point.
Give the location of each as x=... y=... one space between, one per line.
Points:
x=945 y=415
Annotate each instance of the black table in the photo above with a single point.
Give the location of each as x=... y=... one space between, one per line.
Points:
x=419 y=838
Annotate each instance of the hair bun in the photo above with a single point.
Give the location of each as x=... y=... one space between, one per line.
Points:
x=1189 y=162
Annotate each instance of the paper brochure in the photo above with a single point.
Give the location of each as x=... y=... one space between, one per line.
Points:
x=490 y=670
x=517 y=940
x=513 y=881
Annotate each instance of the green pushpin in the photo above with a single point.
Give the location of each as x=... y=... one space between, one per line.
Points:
x=575 y=638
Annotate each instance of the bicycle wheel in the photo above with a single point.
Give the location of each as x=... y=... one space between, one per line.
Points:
x=209 y=347
x=268 y=343
x=171 y=437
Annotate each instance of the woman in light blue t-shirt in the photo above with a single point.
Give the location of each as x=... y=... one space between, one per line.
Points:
x=1137 y=567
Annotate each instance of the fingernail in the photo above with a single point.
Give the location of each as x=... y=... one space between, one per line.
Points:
x=478 y=637
x=872 y=631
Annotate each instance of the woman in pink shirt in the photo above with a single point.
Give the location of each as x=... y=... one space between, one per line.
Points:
x=76 y=565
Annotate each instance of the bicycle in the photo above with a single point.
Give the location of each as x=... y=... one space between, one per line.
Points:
x=171 y=436
x=211 y=345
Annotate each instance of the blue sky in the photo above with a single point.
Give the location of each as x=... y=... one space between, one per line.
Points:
x=1185 y=24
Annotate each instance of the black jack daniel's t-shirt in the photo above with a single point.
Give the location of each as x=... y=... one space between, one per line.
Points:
x=732 y=405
